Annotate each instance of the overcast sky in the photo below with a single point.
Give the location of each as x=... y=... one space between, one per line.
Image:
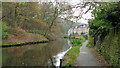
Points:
x=77 y=11
x=85 y=17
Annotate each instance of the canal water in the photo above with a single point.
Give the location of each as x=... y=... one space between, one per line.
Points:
x=47 y=54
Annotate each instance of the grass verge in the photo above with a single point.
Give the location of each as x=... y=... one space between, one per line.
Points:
x=71 y=56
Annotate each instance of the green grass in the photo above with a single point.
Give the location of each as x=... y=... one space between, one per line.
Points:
x=71 y=55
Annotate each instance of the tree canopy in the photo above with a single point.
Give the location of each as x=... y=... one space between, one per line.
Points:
x=106 y=16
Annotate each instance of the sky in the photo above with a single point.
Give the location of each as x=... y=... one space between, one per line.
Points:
x=85 y=17
x=77 y=11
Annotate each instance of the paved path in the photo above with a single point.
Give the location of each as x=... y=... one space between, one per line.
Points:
x=86 y=57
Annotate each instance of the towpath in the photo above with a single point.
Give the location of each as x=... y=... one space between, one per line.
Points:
x=86 y=57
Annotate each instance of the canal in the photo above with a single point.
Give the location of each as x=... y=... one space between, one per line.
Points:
x=47 y=54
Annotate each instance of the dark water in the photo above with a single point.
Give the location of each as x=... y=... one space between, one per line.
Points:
x=33 y=55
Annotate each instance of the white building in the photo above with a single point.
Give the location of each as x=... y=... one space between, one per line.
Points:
x=80 y=30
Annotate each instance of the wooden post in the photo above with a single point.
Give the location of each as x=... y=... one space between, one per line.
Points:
x=61 y=63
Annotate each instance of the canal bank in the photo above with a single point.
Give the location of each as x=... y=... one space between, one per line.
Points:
x=59 y=57
x=23 y=39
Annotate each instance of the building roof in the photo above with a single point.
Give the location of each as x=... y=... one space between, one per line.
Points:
x=79 y=26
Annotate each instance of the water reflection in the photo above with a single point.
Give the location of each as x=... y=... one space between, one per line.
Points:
x=33 y=55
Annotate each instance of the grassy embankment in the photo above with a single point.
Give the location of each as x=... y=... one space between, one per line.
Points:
x=71 y=55
x=18 y=35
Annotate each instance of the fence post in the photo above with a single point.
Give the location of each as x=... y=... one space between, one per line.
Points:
x=61 y=63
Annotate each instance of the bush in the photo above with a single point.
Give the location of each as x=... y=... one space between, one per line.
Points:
x=90 y=42
x=77 y=41
x=86 y=37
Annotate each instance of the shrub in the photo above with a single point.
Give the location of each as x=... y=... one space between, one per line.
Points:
x=77 y=41
x=90 y=42
x=86 y=37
